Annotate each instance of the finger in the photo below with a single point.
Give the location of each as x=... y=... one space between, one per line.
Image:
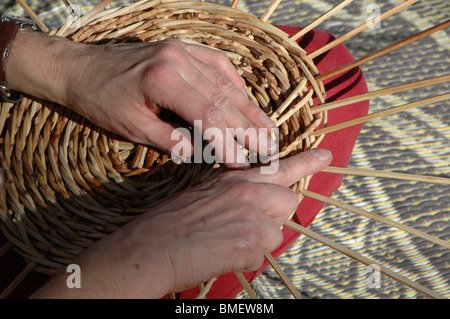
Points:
x=168 y=137
x=206 y=118
x=290 y=170
x=219 y=61
x=271 y=235
x=283 y=203
x=225 y=97
x=277 y=201
x=224 y=81
x=256 y=228
x=256 y=235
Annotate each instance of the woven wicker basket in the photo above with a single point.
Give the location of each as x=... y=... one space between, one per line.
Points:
x=68 y=183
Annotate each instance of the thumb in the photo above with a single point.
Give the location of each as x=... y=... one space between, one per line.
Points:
x=292 y=169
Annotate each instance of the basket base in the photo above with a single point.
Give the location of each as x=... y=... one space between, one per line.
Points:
x=12 y=264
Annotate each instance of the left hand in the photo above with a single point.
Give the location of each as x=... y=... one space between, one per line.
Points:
x=123 y=88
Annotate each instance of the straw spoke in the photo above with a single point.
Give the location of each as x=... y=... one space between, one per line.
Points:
x=234 y=4
x=272 y=261
x=376 y=217
x=383 y=51
x=5 y=248
x=206 y=288
x=69 y=6
x=380 y=114
x=83 y=19
x=294 y=109
x=270 y=10
x=289 y=99
x=322 y=18
x=380 y=93
x=387 y=174
x=251 y=293
x=359 y=29
x=364 y=260
x=172 y=295
x=33 y=16
x=24 y=273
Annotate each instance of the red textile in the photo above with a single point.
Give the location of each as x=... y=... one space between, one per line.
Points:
x=340 y=143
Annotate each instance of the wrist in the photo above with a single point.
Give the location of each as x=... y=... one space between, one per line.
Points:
x=134 y=264
x=41 y=65
x=125 y=264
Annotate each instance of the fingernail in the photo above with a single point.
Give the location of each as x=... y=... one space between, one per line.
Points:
x=266 y=120
x=322 y=154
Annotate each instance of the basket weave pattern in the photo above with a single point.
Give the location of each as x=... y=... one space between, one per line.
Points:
x=67 y=183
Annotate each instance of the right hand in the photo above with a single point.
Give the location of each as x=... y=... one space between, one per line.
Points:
x=225 y=224
x=229 y=222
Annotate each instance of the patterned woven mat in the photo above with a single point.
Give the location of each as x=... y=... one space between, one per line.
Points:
x=416 y=141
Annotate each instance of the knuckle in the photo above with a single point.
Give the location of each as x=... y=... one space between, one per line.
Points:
x=247 y=128
x=222 y=57
x=223 y=82
x=170 y=50
x=211 y=114
x=291 y=200
x=160 y=72
x=249 y=213
x=220 y=100
x=251 y=250
x=245 y=190
x=250 y=239
x=171 y=41
x=277 y=240
x=283 y=172
x=295 y=199
x=249 y=191
x=309 y=162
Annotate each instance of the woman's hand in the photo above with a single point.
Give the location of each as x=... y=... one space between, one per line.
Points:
x=226 y=224
x=122 y=88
